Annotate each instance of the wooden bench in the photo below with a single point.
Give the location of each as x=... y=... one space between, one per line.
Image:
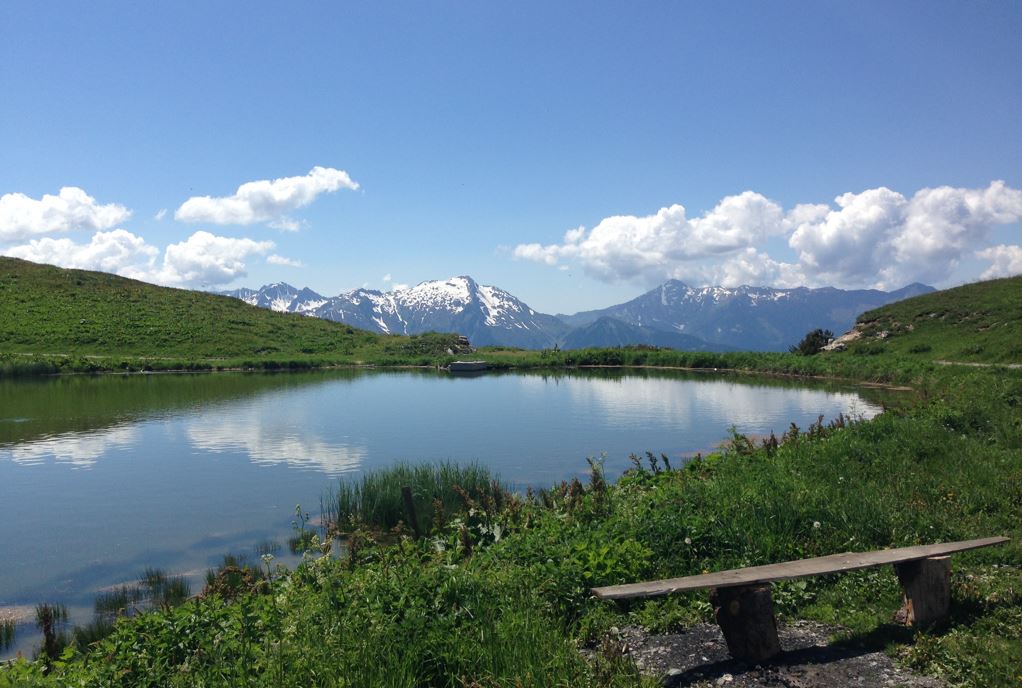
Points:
x=744 y=608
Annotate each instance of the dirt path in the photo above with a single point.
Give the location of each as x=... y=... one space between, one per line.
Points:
x=698 y=657
x=1013 y=366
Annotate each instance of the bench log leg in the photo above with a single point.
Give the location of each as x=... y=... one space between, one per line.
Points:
x=927 y=587
x=746 y=616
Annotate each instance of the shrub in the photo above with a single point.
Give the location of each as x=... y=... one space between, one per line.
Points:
x=813 y=342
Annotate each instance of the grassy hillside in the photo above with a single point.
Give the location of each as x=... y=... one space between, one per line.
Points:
x=980 y=322
x=64 y=316
x=44 y=309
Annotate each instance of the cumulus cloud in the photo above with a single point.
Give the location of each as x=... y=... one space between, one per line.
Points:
x=274 y=259
x=649 y=247
x=750 y=266
x=205 y=259
x=116 y=251
x=22 y=217
x=881 y=238
x=875 y=238
x=266 y=200
x=1006 y=261
x=201 y=260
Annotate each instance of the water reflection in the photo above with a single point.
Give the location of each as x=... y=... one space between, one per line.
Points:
x=180 y=469
x=79 y=449
x=756 y=407
x=39 y=409
x=264 y=442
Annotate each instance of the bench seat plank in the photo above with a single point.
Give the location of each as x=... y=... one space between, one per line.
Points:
x=834 y=563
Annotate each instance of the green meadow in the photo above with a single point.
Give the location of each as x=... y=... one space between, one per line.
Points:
x=55 y=320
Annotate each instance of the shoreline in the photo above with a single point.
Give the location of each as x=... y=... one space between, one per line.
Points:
x=284 y=366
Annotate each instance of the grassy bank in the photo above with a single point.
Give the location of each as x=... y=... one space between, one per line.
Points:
x=496 y=594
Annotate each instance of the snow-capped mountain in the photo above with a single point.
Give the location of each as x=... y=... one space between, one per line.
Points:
x=749 y=318
x=280 y=297
x=673 y=315
x=486 y=315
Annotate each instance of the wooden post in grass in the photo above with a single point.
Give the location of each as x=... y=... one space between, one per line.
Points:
x=413 y=521
x=927 y=587
x=746 y=616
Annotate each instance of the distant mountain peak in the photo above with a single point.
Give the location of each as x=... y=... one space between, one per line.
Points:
x=674 y=314
x=745 y=317
x=484 y=313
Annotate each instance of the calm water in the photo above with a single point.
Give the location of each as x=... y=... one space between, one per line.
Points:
x=102 y=476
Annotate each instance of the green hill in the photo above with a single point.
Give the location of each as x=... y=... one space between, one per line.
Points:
x=979 y=322
x=73 y=314
x=45 y=309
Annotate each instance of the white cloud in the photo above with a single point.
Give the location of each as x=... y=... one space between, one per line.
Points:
x=266 y=200
x=877 y=238
x=201 y=260
x=285 y=224
x=160 y=214
x=650 y=247
x=398 y=286
x=205 y=259
x=274 y=259
x=880 y=238
x=1006 y=261
x=71 y=209
x=750 y=266
x=386 y=278
x=116 y=251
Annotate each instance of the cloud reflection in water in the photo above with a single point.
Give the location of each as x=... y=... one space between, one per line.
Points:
x=265 y=444
x=80 y=449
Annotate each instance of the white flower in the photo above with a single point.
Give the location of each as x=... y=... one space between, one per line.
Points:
x=267 y=558
x=816 y=524
x=688 y=541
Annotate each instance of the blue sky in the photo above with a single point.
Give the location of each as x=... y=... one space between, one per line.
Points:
x=478 y=134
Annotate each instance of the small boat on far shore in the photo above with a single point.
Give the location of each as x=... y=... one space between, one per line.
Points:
x=466 y=366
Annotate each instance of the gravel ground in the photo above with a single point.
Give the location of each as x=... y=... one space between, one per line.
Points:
x=698 y=657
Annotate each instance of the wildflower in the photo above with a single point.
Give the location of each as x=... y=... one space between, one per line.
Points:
x=688 y=541
x=816 y=525
x=267 y=558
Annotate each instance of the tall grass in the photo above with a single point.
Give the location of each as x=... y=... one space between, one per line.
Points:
x=7 y=630
x=438 y=490
x=113 y=603
x=162 y=590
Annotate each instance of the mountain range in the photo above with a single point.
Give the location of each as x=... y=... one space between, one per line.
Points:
x=673 y=315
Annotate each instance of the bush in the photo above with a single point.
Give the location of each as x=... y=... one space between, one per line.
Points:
x=813 y=342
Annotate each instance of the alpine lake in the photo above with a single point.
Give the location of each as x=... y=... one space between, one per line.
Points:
x=104 y=476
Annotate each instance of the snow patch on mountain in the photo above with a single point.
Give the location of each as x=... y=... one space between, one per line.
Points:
x=453 y=294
